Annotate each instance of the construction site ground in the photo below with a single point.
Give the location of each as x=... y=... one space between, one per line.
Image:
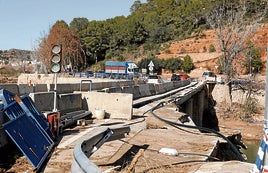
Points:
x=139 y=151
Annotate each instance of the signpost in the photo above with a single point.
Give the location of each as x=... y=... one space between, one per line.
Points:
x=151 y=67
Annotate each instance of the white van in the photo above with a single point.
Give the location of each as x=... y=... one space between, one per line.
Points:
x=209 y=76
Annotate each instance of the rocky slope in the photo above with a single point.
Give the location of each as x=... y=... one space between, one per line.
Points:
x=198 y=47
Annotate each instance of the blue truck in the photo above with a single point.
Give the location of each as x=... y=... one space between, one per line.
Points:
x=116 y=69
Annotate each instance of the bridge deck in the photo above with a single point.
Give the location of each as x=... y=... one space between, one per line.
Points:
x=140 y=149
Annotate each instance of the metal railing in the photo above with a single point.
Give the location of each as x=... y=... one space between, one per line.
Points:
x=85 y=148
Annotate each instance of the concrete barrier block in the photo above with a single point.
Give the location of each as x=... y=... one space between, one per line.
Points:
x=11 y=87
x=116 y=105
x=126 y=83
x=106 y=84
x=70 y=102
x=41 y=88
x=25 y=89
x=96 y=86
x=176 y=84
x=168 y=86
x=136 y=92
x=86 y=86
x=130 y=83
x=75 y=87
x=114 y=84
x=128 y=89
x=44 y=101
x=182 y=83
x=115 y=89
x=144 y=90
x=152 y=89
x=66 y=88
x=159 y=89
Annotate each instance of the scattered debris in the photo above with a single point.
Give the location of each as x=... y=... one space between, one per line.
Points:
x=169 y=151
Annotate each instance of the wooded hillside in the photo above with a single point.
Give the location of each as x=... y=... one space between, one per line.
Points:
x=149 y=31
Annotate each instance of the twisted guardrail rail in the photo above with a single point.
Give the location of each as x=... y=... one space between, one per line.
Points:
x=85 y=148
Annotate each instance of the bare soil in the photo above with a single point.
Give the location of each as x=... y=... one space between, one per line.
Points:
x=235 y=120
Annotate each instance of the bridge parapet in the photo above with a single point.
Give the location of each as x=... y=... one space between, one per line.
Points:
x=67 y=100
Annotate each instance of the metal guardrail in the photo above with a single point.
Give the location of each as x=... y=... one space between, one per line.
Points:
x=85 y=148
x=72 y=117
x=148 y=99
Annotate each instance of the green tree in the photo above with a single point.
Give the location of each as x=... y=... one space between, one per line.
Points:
x=136 y=33
x=95 y=40
x=121 y=58
x=187 y=64
x=79 y=24
x=173 y=64
x=212 y=48
x=135 y=6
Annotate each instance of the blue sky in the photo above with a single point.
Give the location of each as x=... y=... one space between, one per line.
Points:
x=24 y=22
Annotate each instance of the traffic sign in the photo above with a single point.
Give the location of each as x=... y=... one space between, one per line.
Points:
x=151 y=66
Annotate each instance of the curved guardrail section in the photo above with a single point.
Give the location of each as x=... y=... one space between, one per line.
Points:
x=85 y=148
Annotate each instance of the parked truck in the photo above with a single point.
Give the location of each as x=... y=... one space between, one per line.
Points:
x=116 y=69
